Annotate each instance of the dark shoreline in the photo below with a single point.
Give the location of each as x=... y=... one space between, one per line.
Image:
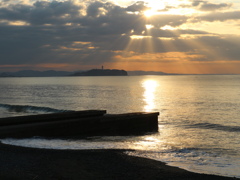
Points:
x=20 y=163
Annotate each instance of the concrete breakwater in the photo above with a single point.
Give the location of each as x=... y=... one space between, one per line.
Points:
x=79 y=123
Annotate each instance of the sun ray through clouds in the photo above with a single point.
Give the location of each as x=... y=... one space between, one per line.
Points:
x=168 y=45
x=147 y=42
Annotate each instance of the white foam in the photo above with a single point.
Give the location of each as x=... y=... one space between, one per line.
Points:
x=200 y=162
x=64 y=144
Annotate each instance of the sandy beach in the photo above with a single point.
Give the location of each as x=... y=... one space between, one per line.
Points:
x=29 y=163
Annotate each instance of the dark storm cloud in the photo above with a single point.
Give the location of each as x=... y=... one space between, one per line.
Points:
x=41 y=43
x=41 y=12
x=111 y=19
x=65 y=32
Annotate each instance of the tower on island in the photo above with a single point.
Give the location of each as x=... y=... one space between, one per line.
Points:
x=102 y=67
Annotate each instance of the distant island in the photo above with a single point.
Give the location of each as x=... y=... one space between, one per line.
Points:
x=32 y=73
x=102 y=72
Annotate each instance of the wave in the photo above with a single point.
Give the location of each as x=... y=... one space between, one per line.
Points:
x=216 y=127
x=30 y=109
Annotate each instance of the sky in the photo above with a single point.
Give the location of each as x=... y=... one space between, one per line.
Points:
x=172 y=36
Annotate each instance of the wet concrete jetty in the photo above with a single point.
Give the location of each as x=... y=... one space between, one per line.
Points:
x=78 y=123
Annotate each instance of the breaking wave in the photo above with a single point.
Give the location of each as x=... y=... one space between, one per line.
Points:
x=216 y=127
x=29 y=109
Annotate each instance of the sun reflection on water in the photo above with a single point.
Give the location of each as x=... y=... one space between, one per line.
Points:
x=149 y=94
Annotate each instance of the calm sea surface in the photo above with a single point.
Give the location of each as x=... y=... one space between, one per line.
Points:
x=199 y=122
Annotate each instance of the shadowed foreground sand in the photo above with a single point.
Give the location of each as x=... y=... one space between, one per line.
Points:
x=27 y=163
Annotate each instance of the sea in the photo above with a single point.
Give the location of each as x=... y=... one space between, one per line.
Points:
x=199 y=121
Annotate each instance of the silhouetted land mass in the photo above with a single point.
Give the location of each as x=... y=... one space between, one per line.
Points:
x=140 y=73
x=102 y=72
x=31 y=73
x=6 y=74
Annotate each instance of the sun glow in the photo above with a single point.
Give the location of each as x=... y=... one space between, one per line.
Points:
x=149 y=26
x=168 y=7
x=153 y=4
x=167 y=27
x=149 y=13
x=154 y=7
x=139 y=37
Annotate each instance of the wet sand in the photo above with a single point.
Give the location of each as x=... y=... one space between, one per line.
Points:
x=28 y=163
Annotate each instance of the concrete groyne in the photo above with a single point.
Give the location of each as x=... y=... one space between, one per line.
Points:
x=78 y=123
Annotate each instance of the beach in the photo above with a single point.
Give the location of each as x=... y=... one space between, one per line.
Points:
x=48 y=164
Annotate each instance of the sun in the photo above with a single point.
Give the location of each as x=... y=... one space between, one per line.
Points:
x=149 y=13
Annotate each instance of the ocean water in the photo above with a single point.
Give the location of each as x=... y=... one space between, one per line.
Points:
x=199 y=122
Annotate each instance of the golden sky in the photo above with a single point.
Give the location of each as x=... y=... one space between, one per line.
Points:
x=172 y=36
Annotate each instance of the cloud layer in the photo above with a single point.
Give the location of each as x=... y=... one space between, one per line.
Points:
x=71 y=34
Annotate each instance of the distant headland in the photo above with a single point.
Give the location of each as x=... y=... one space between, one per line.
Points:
x=102 y=72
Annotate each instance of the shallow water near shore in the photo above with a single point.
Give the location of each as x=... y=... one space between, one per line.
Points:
x=198 y=124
